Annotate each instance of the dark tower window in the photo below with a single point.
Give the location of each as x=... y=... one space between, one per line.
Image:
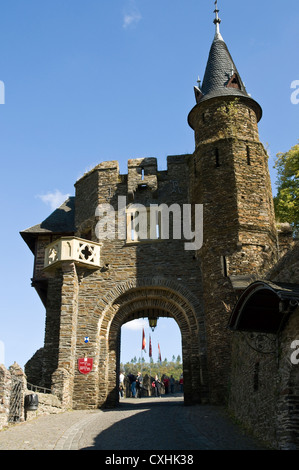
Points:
x=203 y=117
x=86 y=235
x=217 y=162
x=256 y=376
x=234 y=82
x=248 y=155
x=224 y=266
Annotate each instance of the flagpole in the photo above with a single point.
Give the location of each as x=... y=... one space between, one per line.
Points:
x=160 y=359
x=141 y=361
x=143 y=345
x=150 y=354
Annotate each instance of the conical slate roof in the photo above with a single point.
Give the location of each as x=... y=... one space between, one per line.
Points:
x=221 y=78
x=219 y=70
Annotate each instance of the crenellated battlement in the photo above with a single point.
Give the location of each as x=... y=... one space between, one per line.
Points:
x=144 y=183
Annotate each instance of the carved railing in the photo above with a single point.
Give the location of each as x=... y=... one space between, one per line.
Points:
x=82 y=252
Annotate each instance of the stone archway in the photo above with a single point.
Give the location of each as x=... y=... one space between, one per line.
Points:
x=135 y=300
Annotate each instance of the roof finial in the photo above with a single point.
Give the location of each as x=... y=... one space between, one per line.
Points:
x=217 y=21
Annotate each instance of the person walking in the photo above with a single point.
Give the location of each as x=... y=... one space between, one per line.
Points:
x=132 y=379
x=182 y=383
x=172 y=382
x=121 y=385
x=138 y=385
x=166 y=384
x=157 y=386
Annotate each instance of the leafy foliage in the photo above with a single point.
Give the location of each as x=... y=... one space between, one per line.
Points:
x=174 y=367
x=286 y=202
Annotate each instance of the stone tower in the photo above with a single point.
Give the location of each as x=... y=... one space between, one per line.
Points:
x=230 y=177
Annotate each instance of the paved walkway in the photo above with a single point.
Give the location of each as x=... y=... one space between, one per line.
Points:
x=137 y=424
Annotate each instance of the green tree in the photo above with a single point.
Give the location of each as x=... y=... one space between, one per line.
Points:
x=152 y=368
x=286 y=202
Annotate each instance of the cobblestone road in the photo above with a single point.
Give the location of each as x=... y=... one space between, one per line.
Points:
x=137 y=424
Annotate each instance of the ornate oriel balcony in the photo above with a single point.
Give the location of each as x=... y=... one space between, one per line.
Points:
x=82 y=252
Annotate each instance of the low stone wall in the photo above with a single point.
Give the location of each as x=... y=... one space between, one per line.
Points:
x=12 y=404
x=47 y=404
x=264 y=390
x=5 y=390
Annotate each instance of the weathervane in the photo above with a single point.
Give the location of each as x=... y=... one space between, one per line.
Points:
x=217 y=20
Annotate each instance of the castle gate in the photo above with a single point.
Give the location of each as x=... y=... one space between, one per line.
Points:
x=91 y=286
x=148 y=298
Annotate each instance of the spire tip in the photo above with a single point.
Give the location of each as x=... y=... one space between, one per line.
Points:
x=217 y=21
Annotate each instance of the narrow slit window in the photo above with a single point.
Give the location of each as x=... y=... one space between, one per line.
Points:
x=132 y=227
x=256 y=376
x=224 y=266
x=158 y=225
x=248 y=155
x=142 y=174
x=86 y=235
x=217 y=161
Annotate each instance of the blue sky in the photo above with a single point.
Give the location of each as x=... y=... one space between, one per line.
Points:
x=103 y=80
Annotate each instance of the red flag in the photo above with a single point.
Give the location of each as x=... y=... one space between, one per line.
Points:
x=159 y=353
x=143 y=341
x=150 y=347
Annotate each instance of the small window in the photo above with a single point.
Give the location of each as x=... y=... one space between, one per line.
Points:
x=86 y=235
x=256 y=376
x=143 y=224
x=248 y=155
x=224 y=266
x=217 y=161
x=142 y=174
x=131 y=228
x=234 y=82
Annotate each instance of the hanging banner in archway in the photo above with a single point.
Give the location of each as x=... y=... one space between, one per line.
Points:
x=85 y=365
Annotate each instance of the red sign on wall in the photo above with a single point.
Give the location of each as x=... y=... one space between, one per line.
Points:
x=85 y=365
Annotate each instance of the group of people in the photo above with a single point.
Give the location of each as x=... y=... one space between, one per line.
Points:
x=169 y=383
x=137 y=381
x=135 y=384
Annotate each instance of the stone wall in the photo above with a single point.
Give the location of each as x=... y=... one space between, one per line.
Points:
x=253 y=388
x=264 y=390
x=264 y=387
x=5 y=391
x=288 y=388
x=47 y=403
